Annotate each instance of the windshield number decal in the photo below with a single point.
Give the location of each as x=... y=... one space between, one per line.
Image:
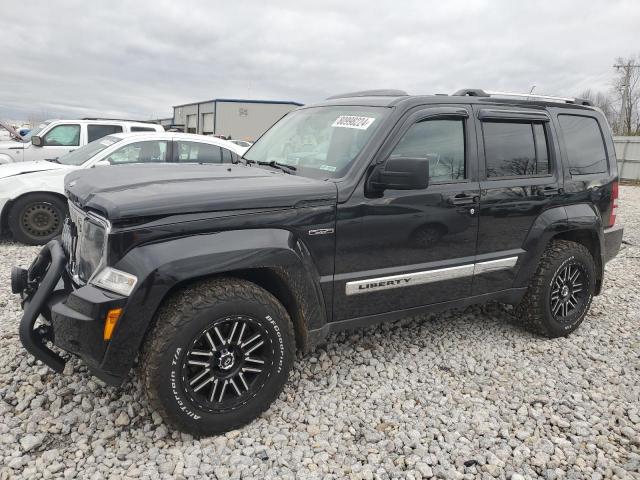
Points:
x=353 y=121
x=328 y=168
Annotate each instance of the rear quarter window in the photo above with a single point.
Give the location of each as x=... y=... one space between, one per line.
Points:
x=584 y=144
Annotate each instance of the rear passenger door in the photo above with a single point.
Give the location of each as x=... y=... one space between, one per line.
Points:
x=519 y=178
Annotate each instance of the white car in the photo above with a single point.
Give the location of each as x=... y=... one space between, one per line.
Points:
x=54 y=138
x=32 y=201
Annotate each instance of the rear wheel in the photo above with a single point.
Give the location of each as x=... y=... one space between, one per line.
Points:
x=218 y=356
x=36 y=218
x=560 y=294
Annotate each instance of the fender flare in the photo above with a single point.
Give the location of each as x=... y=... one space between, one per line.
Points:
x=547 y=225
x=164 y=266
x=564 y=222
x=4 y=159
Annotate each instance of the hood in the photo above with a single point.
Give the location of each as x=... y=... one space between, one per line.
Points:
x=167 y=189
x=12 y=144
x=21 y=168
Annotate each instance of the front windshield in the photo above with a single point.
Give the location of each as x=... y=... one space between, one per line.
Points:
x=86 y=153
x=35 y=131
x=320 y=142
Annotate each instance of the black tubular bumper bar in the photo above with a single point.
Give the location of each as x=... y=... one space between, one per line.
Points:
x=51 y=260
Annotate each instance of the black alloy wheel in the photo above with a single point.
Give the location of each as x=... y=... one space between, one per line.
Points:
x=218 y=355
x=559 y=295
x=227 y=364
x=568 y=291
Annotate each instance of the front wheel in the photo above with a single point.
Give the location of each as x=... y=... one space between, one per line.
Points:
x=36 y=218
x=219 y=355
x=560 y=293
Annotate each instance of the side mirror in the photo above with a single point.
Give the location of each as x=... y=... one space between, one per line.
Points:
x=401 y=173
x=36 y=140
x=102 y=163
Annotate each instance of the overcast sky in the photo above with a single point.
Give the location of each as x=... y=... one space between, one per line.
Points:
x=137 y=59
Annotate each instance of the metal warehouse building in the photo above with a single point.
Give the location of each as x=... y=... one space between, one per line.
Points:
x=238 y=119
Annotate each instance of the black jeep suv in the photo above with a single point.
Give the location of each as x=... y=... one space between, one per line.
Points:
x=364 y=208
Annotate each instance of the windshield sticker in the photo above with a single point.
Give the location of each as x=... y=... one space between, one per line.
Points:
x=352 y=121
x=107 y=141
x=328 y=168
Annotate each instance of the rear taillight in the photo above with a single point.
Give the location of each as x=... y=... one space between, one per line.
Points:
x=614 y=205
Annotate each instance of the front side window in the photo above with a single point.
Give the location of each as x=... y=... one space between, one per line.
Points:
x=320 y=142
x=585 y=148
x=515 y=149
x=62 y=136
x=152 y=151
x=193 y=152
x=441 y=141
x=95 y=132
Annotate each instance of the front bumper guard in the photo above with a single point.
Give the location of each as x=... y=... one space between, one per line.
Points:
x=36 y=287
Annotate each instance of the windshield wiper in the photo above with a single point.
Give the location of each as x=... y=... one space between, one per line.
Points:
x=54 y=160
x=280 y=166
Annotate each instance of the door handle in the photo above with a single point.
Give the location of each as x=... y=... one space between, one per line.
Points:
x=462 y=200
x=549 y=191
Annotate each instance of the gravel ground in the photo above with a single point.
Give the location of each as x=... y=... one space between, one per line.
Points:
x=458 y=395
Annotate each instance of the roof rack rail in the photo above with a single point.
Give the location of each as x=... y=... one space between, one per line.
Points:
x=119 y=120
x=477 y=92
x=371 y=93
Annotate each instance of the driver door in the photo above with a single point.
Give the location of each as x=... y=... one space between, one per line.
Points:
x=58 y=140
x=409 y=248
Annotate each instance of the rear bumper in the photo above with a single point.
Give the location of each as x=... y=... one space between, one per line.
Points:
x=73 y=316
x=612 y=241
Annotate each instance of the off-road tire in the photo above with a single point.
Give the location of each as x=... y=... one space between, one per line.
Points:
x=534 y=311
x=23 y=209
x=194 y=311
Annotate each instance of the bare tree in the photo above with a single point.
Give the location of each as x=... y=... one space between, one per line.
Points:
x=626 y=91
x=604 y=102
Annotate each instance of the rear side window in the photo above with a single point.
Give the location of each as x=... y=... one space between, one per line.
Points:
x=143 y=129
x=193 y=152
x=94 y=132
x=515 y=149
x=585 y=147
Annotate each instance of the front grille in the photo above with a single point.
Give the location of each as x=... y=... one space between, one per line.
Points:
x=84 y=240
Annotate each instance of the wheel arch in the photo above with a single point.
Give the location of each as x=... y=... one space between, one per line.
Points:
x=270 y=258
x=4 y=214
x=578 y=223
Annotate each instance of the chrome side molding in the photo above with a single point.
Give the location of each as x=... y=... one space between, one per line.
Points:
x=428 y=276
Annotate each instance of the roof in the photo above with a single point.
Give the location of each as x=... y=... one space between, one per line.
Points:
x=240 y=100
x=408 y=101
x=180 y=136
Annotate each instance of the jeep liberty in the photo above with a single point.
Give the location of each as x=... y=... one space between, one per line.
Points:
x=364 y=208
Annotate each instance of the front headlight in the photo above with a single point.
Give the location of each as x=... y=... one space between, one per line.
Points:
x=91 y=248
x=115 y=280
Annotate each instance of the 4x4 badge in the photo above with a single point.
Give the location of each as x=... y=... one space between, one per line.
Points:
x=321 y=231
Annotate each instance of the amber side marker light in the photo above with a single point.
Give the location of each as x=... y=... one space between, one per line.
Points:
x=110 y=322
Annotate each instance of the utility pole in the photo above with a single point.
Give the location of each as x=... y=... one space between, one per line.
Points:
x=625 y=126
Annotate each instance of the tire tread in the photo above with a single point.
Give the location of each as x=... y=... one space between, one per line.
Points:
x=178 y=310
x=528 y=311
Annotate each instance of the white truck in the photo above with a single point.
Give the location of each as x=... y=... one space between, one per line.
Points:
x=54 y=138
